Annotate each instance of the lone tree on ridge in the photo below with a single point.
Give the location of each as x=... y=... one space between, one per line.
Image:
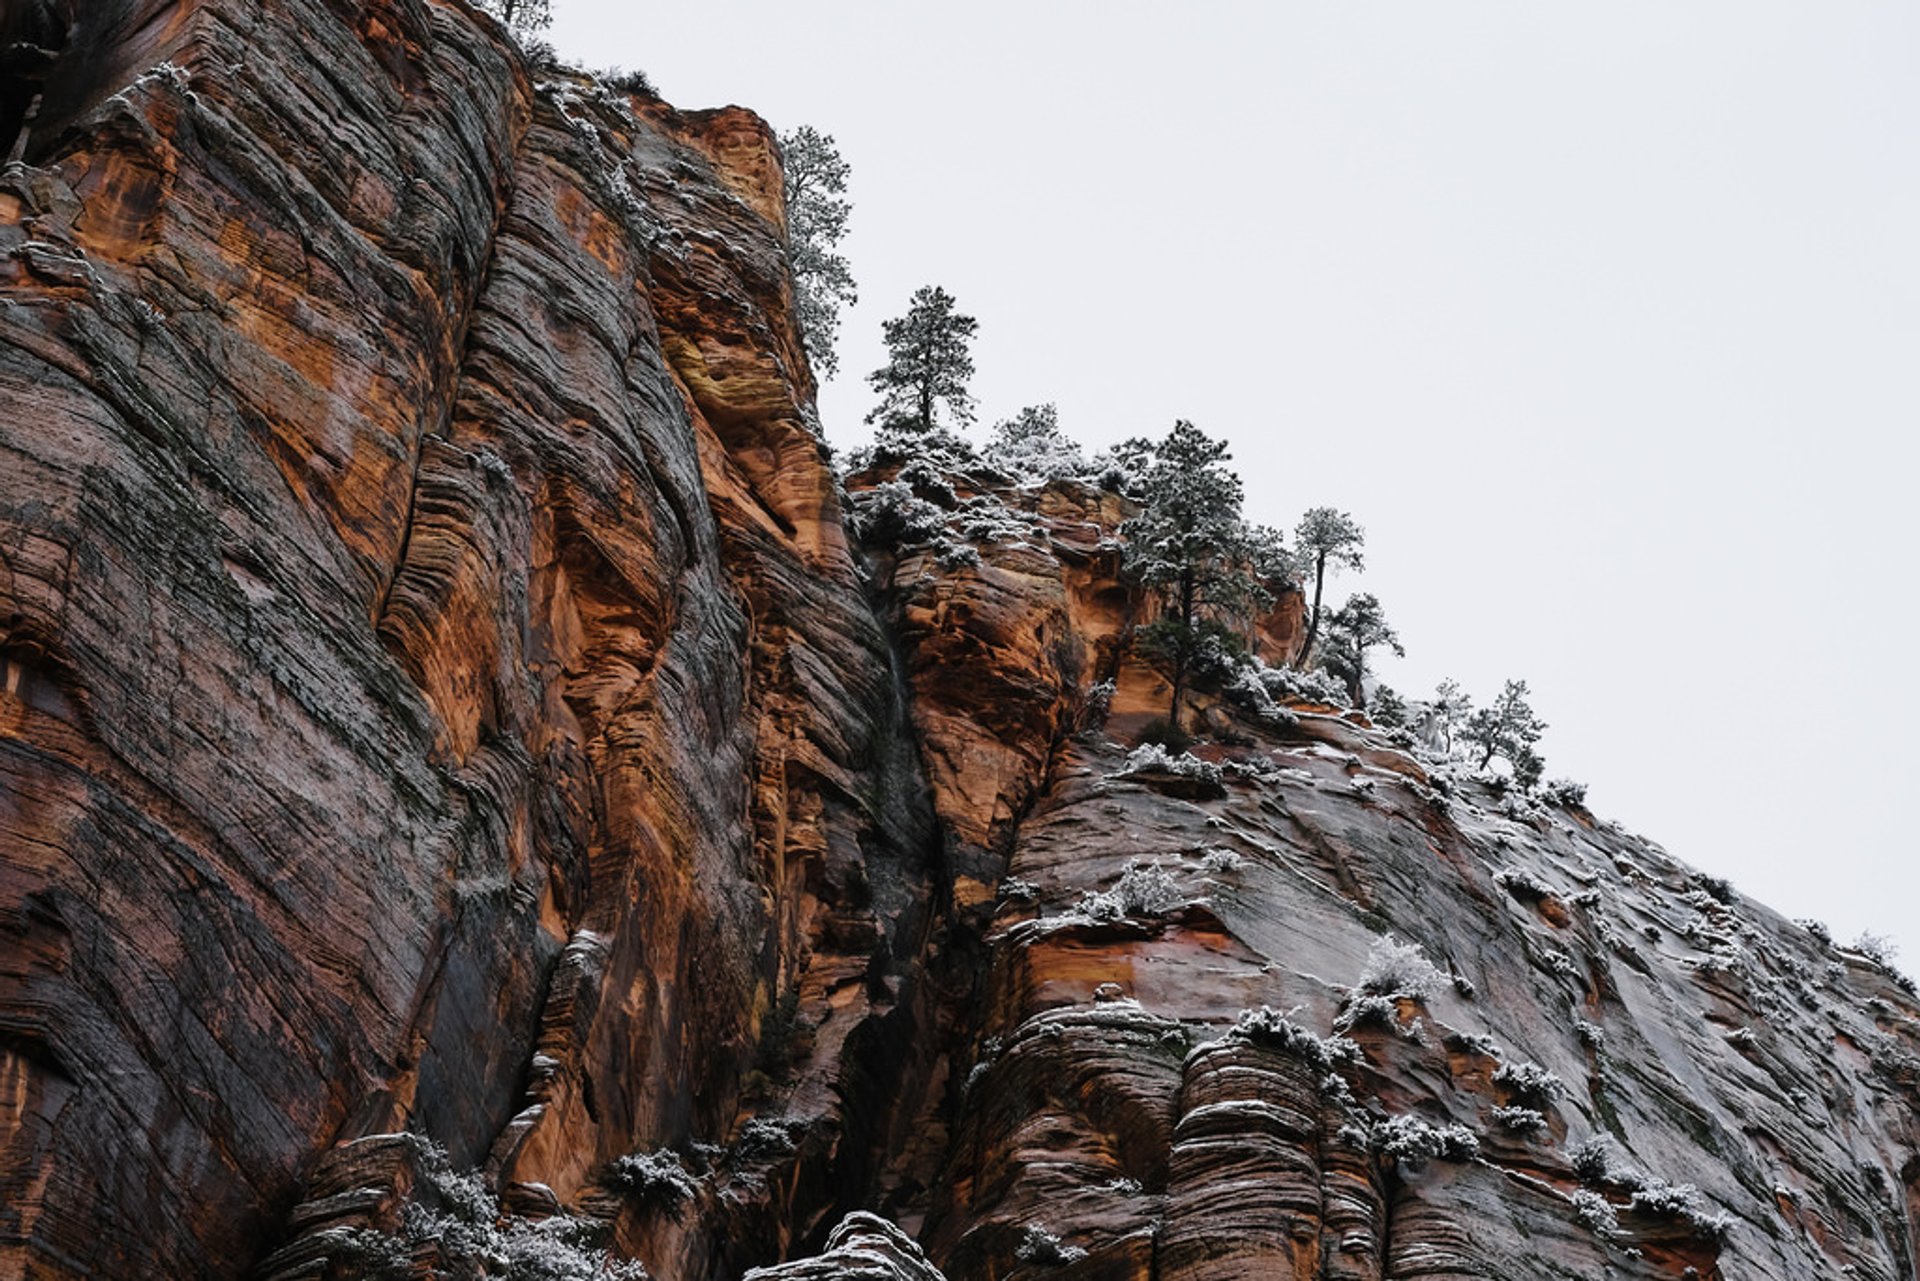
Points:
x=928 y=364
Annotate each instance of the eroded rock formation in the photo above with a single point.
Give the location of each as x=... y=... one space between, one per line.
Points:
x=445 y=728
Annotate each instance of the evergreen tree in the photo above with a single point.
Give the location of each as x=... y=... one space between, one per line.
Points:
x=1032 y=447
x=1190 y=545
x=1450 y=708
x=1508 y=728
x=817 y=211
x=1324 y=539
x=523 y=17
x=927 y=364
x=1353 y=630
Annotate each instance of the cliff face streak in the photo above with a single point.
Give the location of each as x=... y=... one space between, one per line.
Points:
x=439 y=697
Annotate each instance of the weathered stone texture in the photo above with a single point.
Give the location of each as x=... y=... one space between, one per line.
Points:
x=438 y=701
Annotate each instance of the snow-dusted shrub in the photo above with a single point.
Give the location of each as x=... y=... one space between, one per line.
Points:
x=1522 y=884
x=1144 y=890
x=1592 y=1159
x=1306 y=687
x=1591 y=1035
x=1408 y=1138
x=652 y=1178
x=1269 y=1028
x=1151 y=758
x=892 y=515
x=1038 y=1245
x=1719 y=888
x=466 y=1223
x=1683 y=1201
x=1014 y=888
x=1125 y=1186
x=1596 y=1212
x=1529 y=1082
x=761 y=1138
x=1099 y=702
x=985 y=519
x=1247 y=689
x=1399 y=969
x=936 y=453
x=1564 y=792
x=1367 y=1010
x=1217 y=860
x=1520 y=1120
x=1818 y=929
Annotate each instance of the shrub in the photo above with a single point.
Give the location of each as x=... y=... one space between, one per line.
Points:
x=1267 y=1027
x=1522 y=884
x=1369 y=1011
x=1408 y=1138
x=1596 y=1212
x=652 y=1178
x=628 y=80
x=1520 y=1120
x=1592 y=1160
x=1217 y=860
x=1038 y=1245
x=1152 y=758
x=1143 y=890
x=892 y=515
x=1399 y=969
x=1682 y=1201
x=1565 y=793
x=1529 y=1082
x=1161 y=732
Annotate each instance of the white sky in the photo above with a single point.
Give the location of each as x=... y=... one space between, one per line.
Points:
x=1604 y=319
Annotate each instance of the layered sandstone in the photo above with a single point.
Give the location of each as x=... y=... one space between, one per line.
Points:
x=441 y=706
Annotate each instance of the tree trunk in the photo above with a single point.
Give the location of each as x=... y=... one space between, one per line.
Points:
x=1313 y=619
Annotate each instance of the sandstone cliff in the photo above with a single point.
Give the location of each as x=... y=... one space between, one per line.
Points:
x=445 y=728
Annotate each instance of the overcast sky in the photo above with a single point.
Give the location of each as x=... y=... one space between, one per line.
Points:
x=1603 y=318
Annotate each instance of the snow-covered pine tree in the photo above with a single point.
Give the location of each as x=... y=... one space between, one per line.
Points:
x=1508 y=728
x=523 y=17
x=928 y=364
x=1324 y=539
x=1353 y=630
x=1191 y=545
x=1031 y=447
x=817 y=212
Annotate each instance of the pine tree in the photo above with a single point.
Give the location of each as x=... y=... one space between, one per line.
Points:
x=1353 y=630
x=1032 y=447
x=522 y=17
x=1324 y=539
x=927 y=364
x=1508 y=728
x=1450 y=708
x=817 y=212
x=1190 y=544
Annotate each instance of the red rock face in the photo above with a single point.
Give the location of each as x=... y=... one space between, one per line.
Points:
x=438 y=701
x=433 y=649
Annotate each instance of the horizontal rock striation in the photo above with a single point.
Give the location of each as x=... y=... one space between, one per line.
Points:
x=462 y=796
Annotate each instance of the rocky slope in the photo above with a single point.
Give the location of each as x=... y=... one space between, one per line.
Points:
x=445 y=728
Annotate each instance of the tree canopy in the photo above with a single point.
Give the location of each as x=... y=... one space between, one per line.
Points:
x=1324 y=539
x=1353 y=630
x=1190 y=544
x=928 y=364
x=523 y=17
x=1508 y=728
x=817 y=213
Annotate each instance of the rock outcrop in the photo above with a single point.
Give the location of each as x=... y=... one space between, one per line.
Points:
x=445 y=728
